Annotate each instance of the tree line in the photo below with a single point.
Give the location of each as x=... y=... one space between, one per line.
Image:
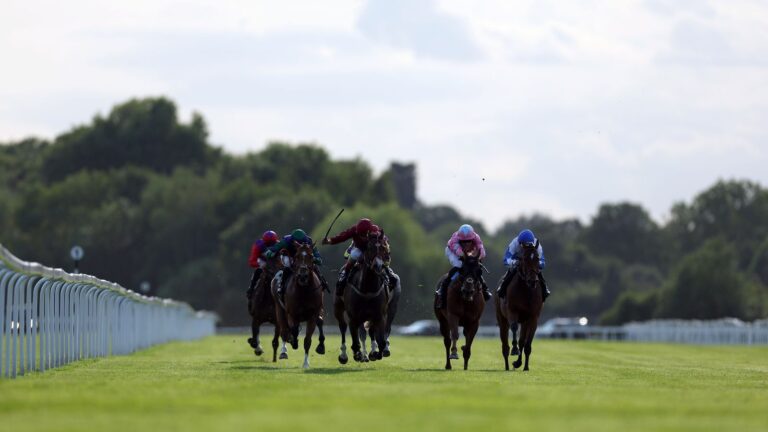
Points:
x=151 y=199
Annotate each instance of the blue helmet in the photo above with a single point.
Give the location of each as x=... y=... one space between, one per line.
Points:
x=465 y=232
x=526 y=237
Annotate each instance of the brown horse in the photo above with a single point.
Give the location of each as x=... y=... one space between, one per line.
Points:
x=261 y=307
x=303 y=302
x=366 y=298
x=464 y=306
x=522 y=306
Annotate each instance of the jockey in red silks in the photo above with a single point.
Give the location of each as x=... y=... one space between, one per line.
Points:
x=257 y=260
x=359 y=233
x=460 y=240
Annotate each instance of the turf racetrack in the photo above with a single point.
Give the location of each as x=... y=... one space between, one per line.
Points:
x=218 y=384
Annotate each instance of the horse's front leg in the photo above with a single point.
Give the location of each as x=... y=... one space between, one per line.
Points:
x=255 y=342
x=529 y=342
x=293 y=330
x=453 y=326
x=515 y=349
x=469 y=335
x=380 y=333
x=354 y=331
x=275 y=344
x=338 y=312
x=523 y=337
x=308 y=341
x=321 y=340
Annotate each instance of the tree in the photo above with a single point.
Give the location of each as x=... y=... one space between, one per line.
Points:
x=734 y=210
x=706 y=285
x=625 y=231
x=141 y=132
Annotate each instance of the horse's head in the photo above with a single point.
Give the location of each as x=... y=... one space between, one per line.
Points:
x=303 y=262
x=373 y=254
x=470 y=268
x=529 y=263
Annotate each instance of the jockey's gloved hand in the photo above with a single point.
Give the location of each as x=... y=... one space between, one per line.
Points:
x=541 y=264
x=326 y=241
x=318 y=261
x=269 y=254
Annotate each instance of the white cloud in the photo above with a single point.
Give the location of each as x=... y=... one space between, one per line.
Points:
x=559 y=106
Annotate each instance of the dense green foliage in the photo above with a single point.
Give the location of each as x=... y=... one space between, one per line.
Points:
x=217 y=384
x=149 y=198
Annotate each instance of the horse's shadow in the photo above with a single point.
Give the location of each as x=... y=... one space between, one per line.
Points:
x=331 y=371
x=454 y=370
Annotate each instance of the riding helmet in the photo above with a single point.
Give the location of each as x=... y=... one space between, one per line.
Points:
x=465 y=232
x=269 y=237
x=526 y=237
x=299 y=234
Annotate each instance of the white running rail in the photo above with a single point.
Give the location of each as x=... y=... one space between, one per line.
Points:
x=49 y=318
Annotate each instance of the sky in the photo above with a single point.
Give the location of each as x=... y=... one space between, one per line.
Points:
x=507 y=107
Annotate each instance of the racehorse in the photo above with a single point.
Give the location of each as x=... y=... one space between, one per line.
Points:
x=464 y=306
x=366 y=298
x=261 y=307
x=303 y=302
x=366 y=330
x=522 y=306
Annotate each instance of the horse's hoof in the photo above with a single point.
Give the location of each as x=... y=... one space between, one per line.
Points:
x=283 y=356
x=258 y=351
x=454 y=356
x=295 y=345
x=343 y=359
x=386 y=352
x=515 y=352
x=358 y=356
x=378 y=356
x=517 y=364
x=448 y=367
x=366 y=359
x=320 y=349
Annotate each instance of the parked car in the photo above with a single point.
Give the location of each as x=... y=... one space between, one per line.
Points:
x=421 y=328
x=562 y=327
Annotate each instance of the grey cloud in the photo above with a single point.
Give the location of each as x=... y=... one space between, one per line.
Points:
x=418 y=26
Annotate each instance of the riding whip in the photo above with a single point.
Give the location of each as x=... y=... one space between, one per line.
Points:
x=334 y=221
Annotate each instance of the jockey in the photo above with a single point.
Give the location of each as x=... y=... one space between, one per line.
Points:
x=465 y=236
x=289 y=243
x=359 y=235
x=258 y=249
x=512 y=259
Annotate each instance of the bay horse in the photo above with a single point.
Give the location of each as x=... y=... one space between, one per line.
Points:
x=464 y=307
x=522 y=306
x=303 y=302
x=394 y=299
x=261 y=307
x=366 y=298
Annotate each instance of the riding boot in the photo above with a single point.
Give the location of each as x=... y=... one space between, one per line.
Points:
x=442 y=298
x=486 y=292
x=343 y=276
x=341 y=283
x=283 y=281
x=254 y=279
x=502 y=289
x=392 y=277
x=324 y=283
x=544 y=290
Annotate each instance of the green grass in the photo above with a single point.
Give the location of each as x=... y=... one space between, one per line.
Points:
x=218 y=384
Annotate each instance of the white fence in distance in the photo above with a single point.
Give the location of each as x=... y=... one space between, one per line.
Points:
x=49 y=318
